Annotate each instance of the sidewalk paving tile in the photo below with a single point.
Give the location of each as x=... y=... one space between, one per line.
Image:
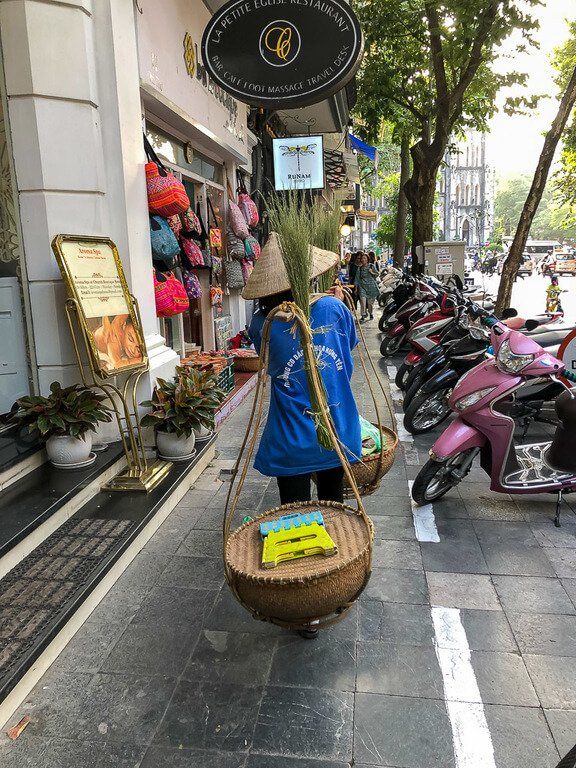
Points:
x=570 y=587
x=503 y=679
x=231 y=657
x=462 y=590
x=171 y=757
x=305 y=722
x=399 y=670
x=545 y=634
x=33 y=752
x=401 y=731
x=402 y=555
x=165 y=606
x=529 y=594
x=152 y=649
x=201 y=543
x=119 y=606
x=324 y=663
x=403 y=624
x=389 y=585
x=488 y=631
x=196 y=572
x=458 y=551
x=228 y=615
x=275 y=761
x=563 y=561
x=562 y=723
x=393 y=527
x=89 y=647
x=210 y=715
x=520 y=737
x=554 y=678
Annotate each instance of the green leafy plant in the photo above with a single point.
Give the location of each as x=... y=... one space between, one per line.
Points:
x=67 y=411
x=187 y=402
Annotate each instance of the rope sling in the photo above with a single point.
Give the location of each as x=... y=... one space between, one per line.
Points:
x=317 y=591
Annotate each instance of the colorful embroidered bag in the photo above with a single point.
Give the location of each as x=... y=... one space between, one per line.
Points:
x=192 y=285
x=236 y=221
x=165 y=247
x=166 y=194
x=247 y=205
x=191 y=222
x=247 y=268
x=235 y=246
x=214 y=233
x=192 y=252
x=252 y=248
x=170 y=295
x=175 y=225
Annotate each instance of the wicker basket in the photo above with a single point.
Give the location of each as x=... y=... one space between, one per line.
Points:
x=369 y=472
x=247 y=364
x=299 y=591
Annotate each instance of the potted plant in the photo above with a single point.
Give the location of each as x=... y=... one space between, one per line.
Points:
x=64 y=420
x=179 y=409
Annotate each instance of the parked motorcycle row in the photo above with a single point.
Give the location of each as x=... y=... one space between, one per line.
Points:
x=498 y=376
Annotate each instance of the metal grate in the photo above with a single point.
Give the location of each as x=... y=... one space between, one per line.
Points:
x=37 y=592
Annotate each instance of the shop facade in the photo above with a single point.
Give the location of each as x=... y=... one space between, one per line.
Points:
x=82 y=82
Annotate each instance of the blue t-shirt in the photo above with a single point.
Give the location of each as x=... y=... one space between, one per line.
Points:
x=289 y=445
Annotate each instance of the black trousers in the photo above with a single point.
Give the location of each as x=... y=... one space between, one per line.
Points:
x=329 y=482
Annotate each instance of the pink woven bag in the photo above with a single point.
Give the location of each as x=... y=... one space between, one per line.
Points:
x=249 y=209
x=236 y=221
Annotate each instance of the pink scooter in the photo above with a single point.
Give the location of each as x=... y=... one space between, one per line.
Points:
x=482 y=399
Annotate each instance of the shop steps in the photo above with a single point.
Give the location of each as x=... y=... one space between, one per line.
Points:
x=46 y=598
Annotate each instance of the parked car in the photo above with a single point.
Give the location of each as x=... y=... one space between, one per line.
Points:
x=565 y=263
x=526 y=265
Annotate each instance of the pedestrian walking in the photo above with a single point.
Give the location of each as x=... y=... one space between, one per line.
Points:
x=289 y=448
x=366 y=287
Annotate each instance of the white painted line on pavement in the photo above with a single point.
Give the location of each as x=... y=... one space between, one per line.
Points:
x=397 y=397
x=424 y=520
x=470 y=734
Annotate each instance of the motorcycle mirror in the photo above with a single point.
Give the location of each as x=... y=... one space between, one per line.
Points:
x=508 y=313
x=531 y=325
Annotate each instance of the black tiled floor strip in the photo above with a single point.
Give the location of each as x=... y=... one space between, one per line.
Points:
x=41 y=593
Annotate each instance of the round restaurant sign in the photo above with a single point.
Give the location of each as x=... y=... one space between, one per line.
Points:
x=282 y=54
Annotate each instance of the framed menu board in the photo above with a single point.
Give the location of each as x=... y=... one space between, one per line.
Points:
x=94 y=278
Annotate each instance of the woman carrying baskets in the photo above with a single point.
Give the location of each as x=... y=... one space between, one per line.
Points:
x=289 y=449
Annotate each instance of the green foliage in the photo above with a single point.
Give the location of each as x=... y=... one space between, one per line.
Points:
x=552 y=220
x=428 y=61
x=185 y=403
x=564 y=62
x=295 y=221
x=389 y=190
x=70 y=411
x=327 y=237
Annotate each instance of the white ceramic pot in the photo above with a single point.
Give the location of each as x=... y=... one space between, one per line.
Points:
x=175 y=448
x=65 y=451
x=202 y=433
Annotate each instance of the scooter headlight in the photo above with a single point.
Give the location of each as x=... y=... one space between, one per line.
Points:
x=508 y=362
x=472 y=399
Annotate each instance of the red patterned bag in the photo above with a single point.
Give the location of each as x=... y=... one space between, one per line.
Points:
x=191 y=222
x=170 y=294
x=247 y=205
x=175 y=225
x=192 y=251
x=166 y=195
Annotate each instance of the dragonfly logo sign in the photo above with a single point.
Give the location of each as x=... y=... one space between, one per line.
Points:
x=298 y=163
x=282 y=54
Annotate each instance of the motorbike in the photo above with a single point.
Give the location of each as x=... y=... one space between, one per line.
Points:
x=421 y=303
x=483 y=399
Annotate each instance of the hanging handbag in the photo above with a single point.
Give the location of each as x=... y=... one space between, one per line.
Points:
x=236 y=220
x=175 y=225
x=216 y=296
x=190 y=222
x=192 y=285
x=247 y=205
x=192 y=252
x=234 y=246
x=216 y=266
x=170 y=295
x=165 y=247
x=247 y=268
x=166 y=194
x=234 y=276
x=252 y=248
x=214 y=233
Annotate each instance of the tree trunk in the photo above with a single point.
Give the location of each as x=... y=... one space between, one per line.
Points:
x=421 y=191
x=402 y=212
x=512 y=263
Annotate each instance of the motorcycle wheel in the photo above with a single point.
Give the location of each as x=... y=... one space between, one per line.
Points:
x=382 y=323
x=391 y=344
x=412 y=388
x=436 y=478
x=427 y=410
x=402 y=375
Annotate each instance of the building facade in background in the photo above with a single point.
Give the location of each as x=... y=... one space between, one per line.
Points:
x=466 y=192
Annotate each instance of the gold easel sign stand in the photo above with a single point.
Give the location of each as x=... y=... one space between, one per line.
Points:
x=101 y=307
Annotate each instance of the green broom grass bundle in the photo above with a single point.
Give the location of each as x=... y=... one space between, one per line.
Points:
x=327 y=236
x=295 y=221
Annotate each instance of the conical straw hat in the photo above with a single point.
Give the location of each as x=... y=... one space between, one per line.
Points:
x=269 y=274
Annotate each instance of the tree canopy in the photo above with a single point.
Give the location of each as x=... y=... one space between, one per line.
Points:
x=565 y=178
